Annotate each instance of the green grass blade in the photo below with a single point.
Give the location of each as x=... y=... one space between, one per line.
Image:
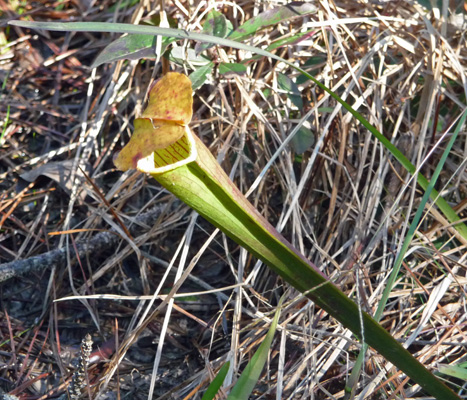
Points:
x=271 y=17
x=5 y=124
x=250 y=375
x=217 y=382
x=130 y=47
x=457 y=371
x=400 y=256
x=445 y=208
x=416 y=220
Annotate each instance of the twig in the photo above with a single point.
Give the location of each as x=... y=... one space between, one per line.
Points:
x=100 y=243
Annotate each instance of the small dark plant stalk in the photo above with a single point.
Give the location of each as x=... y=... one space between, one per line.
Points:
x=78 y=381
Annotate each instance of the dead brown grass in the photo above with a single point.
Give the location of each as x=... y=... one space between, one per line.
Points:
x=346 y=204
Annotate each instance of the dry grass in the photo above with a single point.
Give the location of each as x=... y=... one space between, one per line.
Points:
x=345 y=204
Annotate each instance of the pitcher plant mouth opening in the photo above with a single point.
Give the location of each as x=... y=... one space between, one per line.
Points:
x=182 y=152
